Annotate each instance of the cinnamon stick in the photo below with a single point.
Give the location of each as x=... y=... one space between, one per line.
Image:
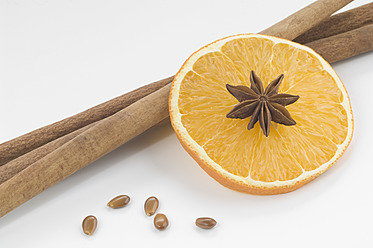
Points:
x=16 y=147
x=304 y=19
x=85 y=148
x=345 y=45
x=99 y=139
x=13 y=167
x=339 y=23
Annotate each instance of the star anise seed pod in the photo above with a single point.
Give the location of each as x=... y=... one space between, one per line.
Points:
x=262 y=105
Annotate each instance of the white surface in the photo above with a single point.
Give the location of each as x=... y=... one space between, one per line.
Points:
x=58 y=58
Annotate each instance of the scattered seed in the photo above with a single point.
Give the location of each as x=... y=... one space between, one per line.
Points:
x=89 y=224
x=160 y=221
x=151 y=206
x=119 y=201
x=205 y=223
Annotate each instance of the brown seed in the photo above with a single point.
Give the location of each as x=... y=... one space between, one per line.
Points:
x=89 y=224
x=119 y=201
x=160 y=221
x=151 y=206
x=205 y=223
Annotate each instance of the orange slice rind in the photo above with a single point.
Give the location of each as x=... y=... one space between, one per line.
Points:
x=245 y=160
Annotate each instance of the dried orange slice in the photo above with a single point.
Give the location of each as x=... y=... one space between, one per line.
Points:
x=246 y=160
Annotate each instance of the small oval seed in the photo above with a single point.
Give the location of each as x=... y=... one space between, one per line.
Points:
x=151 y=206
x=119 y=201
x=160 y=221
x=205 y=223
x=89 y=224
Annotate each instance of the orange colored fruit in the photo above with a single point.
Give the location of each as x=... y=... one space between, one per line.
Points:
x=246 y=160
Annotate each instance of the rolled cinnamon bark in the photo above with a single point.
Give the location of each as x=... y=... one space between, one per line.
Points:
x=288 y=28
x=13 y=167
x=16 y=147
x=305 y=19
x=339 y=23
x=345 y=45
x=85 y=148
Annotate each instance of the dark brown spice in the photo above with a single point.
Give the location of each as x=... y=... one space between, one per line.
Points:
x=263 y=105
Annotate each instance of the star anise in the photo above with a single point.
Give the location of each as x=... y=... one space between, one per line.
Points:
x=263 y=105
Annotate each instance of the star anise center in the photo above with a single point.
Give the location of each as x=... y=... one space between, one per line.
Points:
x=262 y=105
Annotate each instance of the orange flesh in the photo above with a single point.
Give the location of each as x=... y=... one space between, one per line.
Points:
x=289 y=150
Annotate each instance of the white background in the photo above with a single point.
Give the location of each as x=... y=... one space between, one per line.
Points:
x=58 y=58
